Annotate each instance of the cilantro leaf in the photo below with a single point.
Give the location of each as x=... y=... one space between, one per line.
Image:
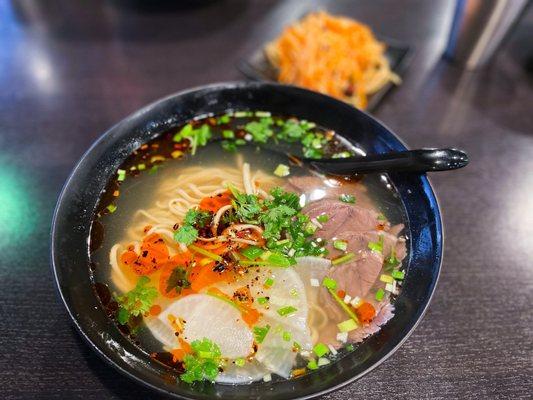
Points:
x=197 y=218
x=281 y=197
x=260 y=333
x=137 y=301
x=204 y=363
x=178 y=280
x=275 y=219
x=247 y=206
x=186 y=234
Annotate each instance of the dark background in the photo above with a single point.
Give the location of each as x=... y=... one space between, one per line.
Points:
x=71 y=69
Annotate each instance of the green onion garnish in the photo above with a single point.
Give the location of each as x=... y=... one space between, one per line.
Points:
x=340 y=245
x=343 y=305
x=342 y=259
x=347 y=198
x=322 y=218
x=386 y=278
x=240 y=114
x=206 y=253
x=262 y=300
x=263 y=114
x=380 y=294
x=287 y=336
x=282 y=170
x=284 y=311
x=239 y=362
x=398 y=275
x=347 y=326
x=377 y=246
x=227 y=134
x=320 y=349
x=111 y=208
x=141 y=167
x=350 y=347
x=252 y=252
x=329 y=283
x=312 y=365
x=269 y=282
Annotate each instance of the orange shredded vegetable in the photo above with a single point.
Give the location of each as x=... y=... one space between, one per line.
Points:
x=154 y=253
x=333 y=55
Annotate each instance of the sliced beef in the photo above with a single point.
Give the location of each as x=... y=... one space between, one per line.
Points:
x=343 y=217
x=384 y=313
x=358 y=242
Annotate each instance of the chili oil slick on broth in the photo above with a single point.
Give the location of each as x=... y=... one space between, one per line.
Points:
x=224 y=257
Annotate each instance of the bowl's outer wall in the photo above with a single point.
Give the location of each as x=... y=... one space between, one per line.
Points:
x=75 y=210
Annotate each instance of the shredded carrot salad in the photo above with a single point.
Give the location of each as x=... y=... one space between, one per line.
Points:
x=333 y=55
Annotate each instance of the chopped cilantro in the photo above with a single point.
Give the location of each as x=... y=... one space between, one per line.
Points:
x=186 y=234
x=203 y=363
x=197 y=218
x=137 y=301
x=260 y=333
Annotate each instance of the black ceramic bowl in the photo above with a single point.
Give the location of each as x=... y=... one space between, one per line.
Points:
x=77 y=203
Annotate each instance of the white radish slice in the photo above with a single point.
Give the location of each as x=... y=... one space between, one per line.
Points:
x=208 y=317
x=312 y=268
x=162 y=332
x=250 y=372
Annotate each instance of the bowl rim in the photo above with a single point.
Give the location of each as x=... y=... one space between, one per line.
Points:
x=233 y=85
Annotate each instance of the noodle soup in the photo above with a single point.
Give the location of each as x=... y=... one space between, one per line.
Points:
x=224 y=257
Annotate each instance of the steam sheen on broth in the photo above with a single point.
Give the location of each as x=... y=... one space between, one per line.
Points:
x=231 y=262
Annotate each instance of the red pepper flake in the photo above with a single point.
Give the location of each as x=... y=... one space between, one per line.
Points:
x=341 y=293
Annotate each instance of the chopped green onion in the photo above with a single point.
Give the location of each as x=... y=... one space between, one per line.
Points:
x=262 y=300
x=342 y=154
x=206 y=253
x=347 y=326
x=111 y=208
x=381 y=217
x=323 y=361
x=240 y=142
x=282 y=170
x=329 y=283
x=227 y=134
x=343 y=305
x=347 y=198
x=320 y=349
x=386 y=278
x=350 y=347
x=269 y=282
x=262 y=114
x=239 y=362
x=121 y=175
x=377 y=246
x=141 y=167
x=391 y=262
x=310 y=228
x=312 y=365
x=340 y=245
x=342 y=259
x=322 y=218
x=380 y=294
x=293 y=292
x=240 y=114
x=287 y=336
x=284 y=311
x=224 y=119
x=153 y=170
x=297 y=346
x=252 y=252
x=399 y=275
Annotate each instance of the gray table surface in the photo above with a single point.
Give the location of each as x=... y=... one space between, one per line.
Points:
x=71 y=69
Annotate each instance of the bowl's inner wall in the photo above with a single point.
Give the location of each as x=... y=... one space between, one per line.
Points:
x=70 y=253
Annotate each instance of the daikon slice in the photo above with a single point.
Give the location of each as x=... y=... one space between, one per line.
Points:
x=251 y=371
x=207 y=317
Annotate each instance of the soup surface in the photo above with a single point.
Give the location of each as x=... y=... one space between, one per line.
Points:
x=226 y=258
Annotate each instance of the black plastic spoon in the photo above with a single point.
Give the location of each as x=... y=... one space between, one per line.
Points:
x=423 y=160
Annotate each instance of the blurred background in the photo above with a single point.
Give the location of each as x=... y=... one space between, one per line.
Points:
x=71 y=69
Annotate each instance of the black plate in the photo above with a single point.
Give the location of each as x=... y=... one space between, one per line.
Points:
x=78 y=200
x=258 y=68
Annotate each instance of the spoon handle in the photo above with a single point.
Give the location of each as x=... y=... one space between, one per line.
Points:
x=423 y=160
